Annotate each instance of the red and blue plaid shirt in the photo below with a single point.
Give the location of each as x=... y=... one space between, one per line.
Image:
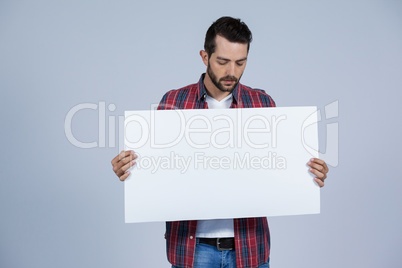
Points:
x=252 y=240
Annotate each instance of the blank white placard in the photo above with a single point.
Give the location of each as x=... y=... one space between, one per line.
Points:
x=221 y=163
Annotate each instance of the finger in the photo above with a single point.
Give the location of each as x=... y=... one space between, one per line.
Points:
x=121 y=155
x=320 y=162
x=124 y=168
x=122 y=178
x=318 y=167
x=118 y=157
x=319 y=182
x=319 y=174
x=123 y=162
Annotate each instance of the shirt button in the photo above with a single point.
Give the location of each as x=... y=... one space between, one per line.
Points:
x=191 y=237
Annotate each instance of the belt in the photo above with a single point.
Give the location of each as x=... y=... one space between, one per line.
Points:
x=224 y=243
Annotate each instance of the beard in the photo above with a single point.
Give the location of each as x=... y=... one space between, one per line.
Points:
x=218 y=82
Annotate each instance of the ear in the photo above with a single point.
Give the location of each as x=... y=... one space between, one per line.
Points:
x=204 y=57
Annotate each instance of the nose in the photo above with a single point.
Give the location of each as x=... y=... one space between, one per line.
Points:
x=230 y=71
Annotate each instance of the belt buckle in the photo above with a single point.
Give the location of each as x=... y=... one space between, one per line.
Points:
x=218 y=245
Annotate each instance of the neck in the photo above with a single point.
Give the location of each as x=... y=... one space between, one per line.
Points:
x=212 y=90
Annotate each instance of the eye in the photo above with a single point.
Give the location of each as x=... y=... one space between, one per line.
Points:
x=239 y=63
x=222 y=62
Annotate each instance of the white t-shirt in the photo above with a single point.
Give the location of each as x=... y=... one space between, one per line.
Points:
x=222 y=227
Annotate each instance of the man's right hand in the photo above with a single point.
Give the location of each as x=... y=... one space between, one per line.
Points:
x=122 y=162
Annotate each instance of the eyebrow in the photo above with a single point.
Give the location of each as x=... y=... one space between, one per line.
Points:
x=225 y=59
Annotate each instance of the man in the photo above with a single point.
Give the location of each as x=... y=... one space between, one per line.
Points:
x=227 y=242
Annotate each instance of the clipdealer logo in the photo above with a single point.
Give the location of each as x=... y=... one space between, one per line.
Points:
x=111 y=135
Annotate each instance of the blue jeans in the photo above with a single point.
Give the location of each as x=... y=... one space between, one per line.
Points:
x=207 y=256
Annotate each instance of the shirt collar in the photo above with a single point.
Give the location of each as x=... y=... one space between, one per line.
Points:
x=202 y=93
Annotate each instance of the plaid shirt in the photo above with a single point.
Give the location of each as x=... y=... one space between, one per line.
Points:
x=252 y=240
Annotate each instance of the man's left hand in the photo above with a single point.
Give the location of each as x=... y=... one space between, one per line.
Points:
x=319 y=168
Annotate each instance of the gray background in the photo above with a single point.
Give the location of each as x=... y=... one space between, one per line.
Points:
x=62 y=206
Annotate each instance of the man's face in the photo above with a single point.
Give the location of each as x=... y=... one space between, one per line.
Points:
x=226 y=65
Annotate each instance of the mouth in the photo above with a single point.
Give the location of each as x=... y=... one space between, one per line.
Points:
x=228 y=81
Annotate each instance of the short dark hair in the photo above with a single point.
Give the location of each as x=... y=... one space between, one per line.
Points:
x=234 y=30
